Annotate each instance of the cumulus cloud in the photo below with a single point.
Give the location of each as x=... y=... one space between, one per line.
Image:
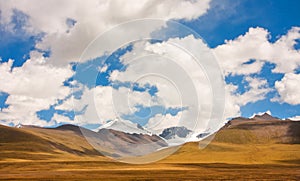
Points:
x=68 y=27
x=103 y=103
x=234 y=56
x=140 y=62
x=34 y=79
x=257 y=90
x=57 y=118
x=96 y=104
x=160 y=122
x=179 y=68
x=288 y=89
x=255 y=45
x=92 y=18
x=22 y=109
x=32 y=87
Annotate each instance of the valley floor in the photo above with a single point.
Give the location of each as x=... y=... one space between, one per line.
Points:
x=105 y=170
x=260 y=151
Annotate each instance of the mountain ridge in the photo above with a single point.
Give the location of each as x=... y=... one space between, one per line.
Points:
x=72 y=140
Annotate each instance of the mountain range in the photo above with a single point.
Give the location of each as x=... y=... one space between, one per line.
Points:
x=257 y=148
x=172 y=135
x=73 y=140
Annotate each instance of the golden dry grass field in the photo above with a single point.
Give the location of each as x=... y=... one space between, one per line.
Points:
x=248 y=151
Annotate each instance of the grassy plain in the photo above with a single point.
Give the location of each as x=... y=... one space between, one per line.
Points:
x=235 y=153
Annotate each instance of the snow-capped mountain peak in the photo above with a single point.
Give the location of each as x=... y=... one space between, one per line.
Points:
x=172 y=132
x=125 y=126
x=19 y=125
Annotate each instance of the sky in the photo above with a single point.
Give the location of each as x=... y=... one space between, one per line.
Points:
x=59 y=63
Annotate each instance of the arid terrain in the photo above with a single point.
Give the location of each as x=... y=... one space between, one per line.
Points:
x=262 y=148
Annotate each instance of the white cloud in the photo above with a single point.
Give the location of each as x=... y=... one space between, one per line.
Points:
x=170 y=68
x=140 y=63
x=160 y=122
x=110 y=12
x=102 y=69
x=182 y=81
x=99 y=106
x=93 y=18
x=22 y=109
x=255 y=45
x=257 y=90
x=124 y=100
x=32 y=87
x=105 y=103
x=232 y=108
x=57 y=118
x=38 y=84
x=34 y=80
x=288 y=89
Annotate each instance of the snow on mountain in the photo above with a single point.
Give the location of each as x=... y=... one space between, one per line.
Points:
x=173 y=132
x=176 y=135
x=19 y=125
x=125 y=126
x=260 y=114
x=203 y=135
x=173 y=135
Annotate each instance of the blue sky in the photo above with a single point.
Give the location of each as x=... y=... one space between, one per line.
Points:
x=230 y=18
x=17 y=44
x=224 y=20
